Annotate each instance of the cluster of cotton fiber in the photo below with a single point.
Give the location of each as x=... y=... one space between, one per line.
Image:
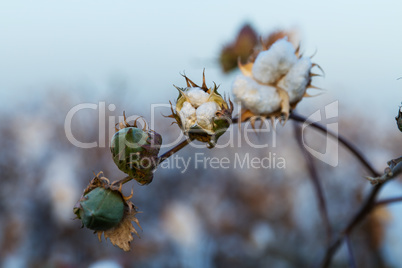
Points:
x=263 y=84
x=199 y=110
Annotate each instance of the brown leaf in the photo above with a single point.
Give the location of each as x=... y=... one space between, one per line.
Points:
x=121 y=235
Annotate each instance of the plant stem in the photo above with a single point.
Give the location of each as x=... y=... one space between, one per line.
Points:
x=388 y=201
x=316 y=183
x=174 y=150
x=123 y=181
x=367 y=205
x=365 y=209
x=293 y=116
x=341 y=139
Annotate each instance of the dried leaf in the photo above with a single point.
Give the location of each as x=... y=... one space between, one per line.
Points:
x=121 y=235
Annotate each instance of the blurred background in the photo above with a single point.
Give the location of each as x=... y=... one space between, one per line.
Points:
x=55 y=55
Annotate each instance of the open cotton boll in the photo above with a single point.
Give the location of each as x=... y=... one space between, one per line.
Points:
x=196 y=112
x=297 y=79
x=271 y=64
x=205 y=114
x=197 y=96
x=187 y=115
x=259 y=99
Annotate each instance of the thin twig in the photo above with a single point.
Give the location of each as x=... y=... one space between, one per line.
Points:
x=388 y=201
x=366 y=206
x=299 y=118
x=316 y=183
x=364 y=210
x=352 y=259
x=172 y=151
x=341 y=139
x=123 y=181
x=393 y=170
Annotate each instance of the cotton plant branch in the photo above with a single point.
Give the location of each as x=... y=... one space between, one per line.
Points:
x=388 y=201
x=366 y=207
x=341 y=139
x=174 y=150
x=364 y=210
x=281 y=75
x=293 y=116
x=316 y=183
x=394 y=169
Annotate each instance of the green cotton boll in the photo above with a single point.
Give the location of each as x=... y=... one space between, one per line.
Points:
x=126 y=142
x=101 y=209
x=135 y=152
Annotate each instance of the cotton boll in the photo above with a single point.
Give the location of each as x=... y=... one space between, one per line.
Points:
x=187 y=115
x=208 y=127
x=297 y=79
x=197 y=96
x=271 y=64
x=205 y=115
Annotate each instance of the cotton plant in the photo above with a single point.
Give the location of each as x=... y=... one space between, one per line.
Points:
x=273 y=83
x=203 y=115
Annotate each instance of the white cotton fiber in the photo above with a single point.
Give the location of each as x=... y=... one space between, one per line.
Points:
x=260 y=99
x=187 y=115
x=297 y=79
x=270 y=100
x=273 y=63
x=205 y=115
x=197 y=96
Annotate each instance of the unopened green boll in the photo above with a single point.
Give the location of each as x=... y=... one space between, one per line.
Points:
x=101 y=209
x=135 y=152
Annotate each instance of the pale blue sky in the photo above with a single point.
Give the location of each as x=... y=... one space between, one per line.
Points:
x=68 y=43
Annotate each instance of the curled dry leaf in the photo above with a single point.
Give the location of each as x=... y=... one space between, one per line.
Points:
x=122 y=234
